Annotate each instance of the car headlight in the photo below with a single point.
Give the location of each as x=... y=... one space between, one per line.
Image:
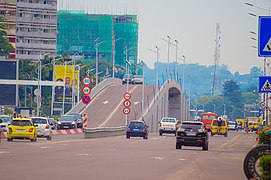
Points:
x=181 y=129
x=58 y=122
x=73 y=122
x=201 y=130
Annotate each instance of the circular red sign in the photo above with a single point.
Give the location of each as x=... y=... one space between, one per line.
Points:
x=126 y=103
x=86 y=99
x=127 y=96
x=87 y=80
x=126 y=110
x=86 y=90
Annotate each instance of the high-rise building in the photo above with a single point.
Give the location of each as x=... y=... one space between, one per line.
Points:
x=32 y=27
x=78 y=32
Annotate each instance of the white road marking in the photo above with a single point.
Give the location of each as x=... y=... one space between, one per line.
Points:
x=135 y=103
x=105 y=102
x=182 y=159
x=45 y=147
x=4 y=152
x=82 y=154
x=158 y=158
x=113 y=112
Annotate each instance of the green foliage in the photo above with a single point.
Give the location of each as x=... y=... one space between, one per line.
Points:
x=5 y=46
x=8 y=111
x=264 y=138
x=265 y=167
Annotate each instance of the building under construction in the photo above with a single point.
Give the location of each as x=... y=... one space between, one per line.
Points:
x=79 y=32
x=32 y=27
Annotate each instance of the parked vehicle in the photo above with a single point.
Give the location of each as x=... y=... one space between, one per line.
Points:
x=137 y=128
x=138 y=79
x=219 y=126
x=6 y=120
x=232 y=125
x=128 y=78
x=22 y=128
x=79 y=119
x=53 y=123
x=67 y=122
x=43 y=127
x=192 y=133
x=206 y=119
x=168 y=125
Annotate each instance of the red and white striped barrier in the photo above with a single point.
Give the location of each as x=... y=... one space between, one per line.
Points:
x=85 y=120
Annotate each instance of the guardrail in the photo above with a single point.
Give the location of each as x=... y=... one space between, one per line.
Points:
x=104 y=132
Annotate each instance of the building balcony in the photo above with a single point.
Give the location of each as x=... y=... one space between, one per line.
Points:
x=36 y=20
x=36 y=46
x=26 y=56
x=36 y=34
x=37 y=6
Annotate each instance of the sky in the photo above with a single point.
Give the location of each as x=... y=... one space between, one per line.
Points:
x=193 y=24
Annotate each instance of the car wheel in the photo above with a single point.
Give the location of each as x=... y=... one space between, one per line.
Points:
x=145 y=137
x=226 y=134
x=178 y=146
x=160 y=133
x=205 y=147
x=127 y=137
x=49 y=138
x=33 y=140
x=9 y=139
x=212 y=134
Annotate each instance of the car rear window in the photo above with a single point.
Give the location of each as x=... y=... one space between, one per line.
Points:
x=39 y=121
x=215 y=123
x=169 y=120
x=21 y=123
x=194 y=127
x=136 y=124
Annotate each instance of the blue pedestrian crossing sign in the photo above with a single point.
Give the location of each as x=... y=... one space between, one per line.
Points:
x=264 y=33
x=265 y=84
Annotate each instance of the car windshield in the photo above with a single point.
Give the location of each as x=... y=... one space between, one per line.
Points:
x=39 y=121
x=210 y=117
x=77 y=116
x=136 y=124
x=66 y=118
x=6 y=119
x=189 y=126
x=169 y=120
x=21 y=123
x=215 y=123
x=138 y=76
x=52 y=121
x=128 y=76
x=231 y=123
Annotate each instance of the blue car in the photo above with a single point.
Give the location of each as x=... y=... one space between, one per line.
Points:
x=137 y=128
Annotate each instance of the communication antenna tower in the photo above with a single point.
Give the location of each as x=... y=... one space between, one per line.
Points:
x=217 y=58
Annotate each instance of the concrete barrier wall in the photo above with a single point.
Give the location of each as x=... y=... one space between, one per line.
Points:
x=104 y=132
x=95 y=91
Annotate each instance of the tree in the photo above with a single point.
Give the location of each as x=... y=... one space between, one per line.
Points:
x=232 y=93
x=5 y=46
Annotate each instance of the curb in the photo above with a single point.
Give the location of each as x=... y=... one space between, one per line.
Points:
x=3 y=135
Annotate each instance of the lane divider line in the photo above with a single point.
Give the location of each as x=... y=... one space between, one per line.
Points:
x=113 y=112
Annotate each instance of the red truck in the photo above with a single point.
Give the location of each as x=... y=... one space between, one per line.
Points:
x=207 y=118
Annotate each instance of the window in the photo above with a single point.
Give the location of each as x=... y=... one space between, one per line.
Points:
x=21 y=123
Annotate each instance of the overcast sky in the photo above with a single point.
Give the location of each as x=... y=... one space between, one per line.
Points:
x=193 y=24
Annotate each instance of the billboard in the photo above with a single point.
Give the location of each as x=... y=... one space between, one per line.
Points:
x=8 y=92
x=70 y=76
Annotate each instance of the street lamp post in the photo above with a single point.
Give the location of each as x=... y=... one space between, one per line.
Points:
x=113 y=58
x=183 y=71
x=189 y=92
x=176 y=59
x=224 y=109
x=156 y=76
x=96 y=46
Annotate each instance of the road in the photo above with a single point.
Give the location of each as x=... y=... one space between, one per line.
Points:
x=106 y=109
x=115 y=158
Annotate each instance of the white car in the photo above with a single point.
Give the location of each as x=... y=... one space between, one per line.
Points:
x=138 y=79
x=168 y=125
x=43 y=126
x=6 y=120
x=231 y=125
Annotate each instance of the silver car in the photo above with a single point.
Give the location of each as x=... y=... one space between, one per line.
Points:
x=43 y=126
x=6 y=120
x=138 y=79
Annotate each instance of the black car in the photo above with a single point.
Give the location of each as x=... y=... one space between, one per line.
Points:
x=79 y=119
x=192 y=133
x=67 y=122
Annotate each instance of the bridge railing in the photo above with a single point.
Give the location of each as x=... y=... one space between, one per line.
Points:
x=104 y=132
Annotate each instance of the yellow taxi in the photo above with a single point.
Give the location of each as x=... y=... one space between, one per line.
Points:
x=253 y=126
x=219 y=126
x=21 y=128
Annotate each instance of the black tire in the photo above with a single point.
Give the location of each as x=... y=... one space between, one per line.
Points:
x=251 y=159
x=49 y=138
x=205 y=147
x=145 y=137
x=127 y=136
x=212 y=134
x=178 y=146
x=226 y=134
x=160 y=133
x=9 y=139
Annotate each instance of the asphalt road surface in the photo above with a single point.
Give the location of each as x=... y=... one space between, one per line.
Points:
x=106 y=109
x=116 y=158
